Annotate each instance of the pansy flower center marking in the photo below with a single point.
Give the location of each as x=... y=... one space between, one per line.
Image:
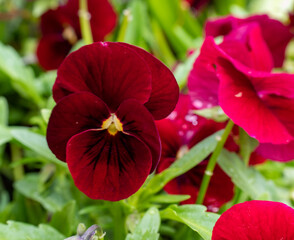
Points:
x=69 y=34
x=112 y=124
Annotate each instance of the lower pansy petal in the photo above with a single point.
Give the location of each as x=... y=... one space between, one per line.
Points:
x=277 y=152
x=74 y=114
x=240 y=102
x=51 y=51
x=108 y=167
x=137 y=121
x=255 y=220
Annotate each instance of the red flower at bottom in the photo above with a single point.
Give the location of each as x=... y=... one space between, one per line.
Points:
x=256 y=220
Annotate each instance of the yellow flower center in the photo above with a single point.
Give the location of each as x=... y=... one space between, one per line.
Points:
x=112 y=124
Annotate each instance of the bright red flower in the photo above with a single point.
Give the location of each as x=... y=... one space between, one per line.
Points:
x=60 y=29
x=181 y=131
x=255 y=220
x=276 y=35
x=108 y=95
x=262 y=103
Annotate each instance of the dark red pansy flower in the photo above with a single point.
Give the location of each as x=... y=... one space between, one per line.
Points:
x=108 y=95
x=262 y=103
x=181 y=131
x=255 y=220
x=197 y=4
x=60 y=29
x=276 y=35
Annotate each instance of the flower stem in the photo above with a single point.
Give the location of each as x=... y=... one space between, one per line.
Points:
x=212 y=162
x=85 y=16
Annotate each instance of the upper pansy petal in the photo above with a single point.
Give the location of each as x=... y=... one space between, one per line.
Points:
x=255 y=220
x=108 y=167
x=165 y=90
x=111 y=71
x=238 y=99
x=74 y=114
x=202 y=80
x=272 y=27
x=137 y=121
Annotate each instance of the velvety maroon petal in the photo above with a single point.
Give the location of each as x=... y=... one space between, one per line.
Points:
x=138 y=122
x=111 y=71
x=103 y=18
x=165 y=90
x=255 y=220
x=108 y=167
x=51 y=51
x=51 y=22
x=240 y=102
x=277 y=152
x=74 y=114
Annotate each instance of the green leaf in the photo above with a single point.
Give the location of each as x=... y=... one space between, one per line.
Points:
x=53 y=197
x=5 y=135
x=21 y=76
x=65 y=220
x=169 y=198
x=36 y=143
x=182 y=165
x=194 y=216
x=148 y=227
x=22 y=231
x=248 y=179
x=216 y=113
x=182 y=71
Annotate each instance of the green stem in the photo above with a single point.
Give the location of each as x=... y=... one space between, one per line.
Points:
x=212 y=162
x=16 y=155
x=85 y=16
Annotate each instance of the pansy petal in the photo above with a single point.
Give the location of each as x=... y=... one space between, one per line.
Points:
x=91 y=68
x=165 y=90
x=73 y=114
x=277 y=152
x=240 y=102
x=138 y=122
x=51 y=51
x=170 y=139
x=202 y=81
x=255 y=220
x=272 y=27
x=108 y=167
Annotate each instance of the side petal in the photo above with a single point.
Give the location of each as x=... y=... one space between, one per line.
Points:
x=51 y=51
x=112 y=72
x=138 y=122
x=240 y=102
x=256 y=220
x=108 y=167
x=74 y=114
x=165 y=90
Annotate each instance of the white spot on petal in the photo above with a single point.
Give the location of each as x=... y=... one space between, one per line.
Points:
x=239 y=94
